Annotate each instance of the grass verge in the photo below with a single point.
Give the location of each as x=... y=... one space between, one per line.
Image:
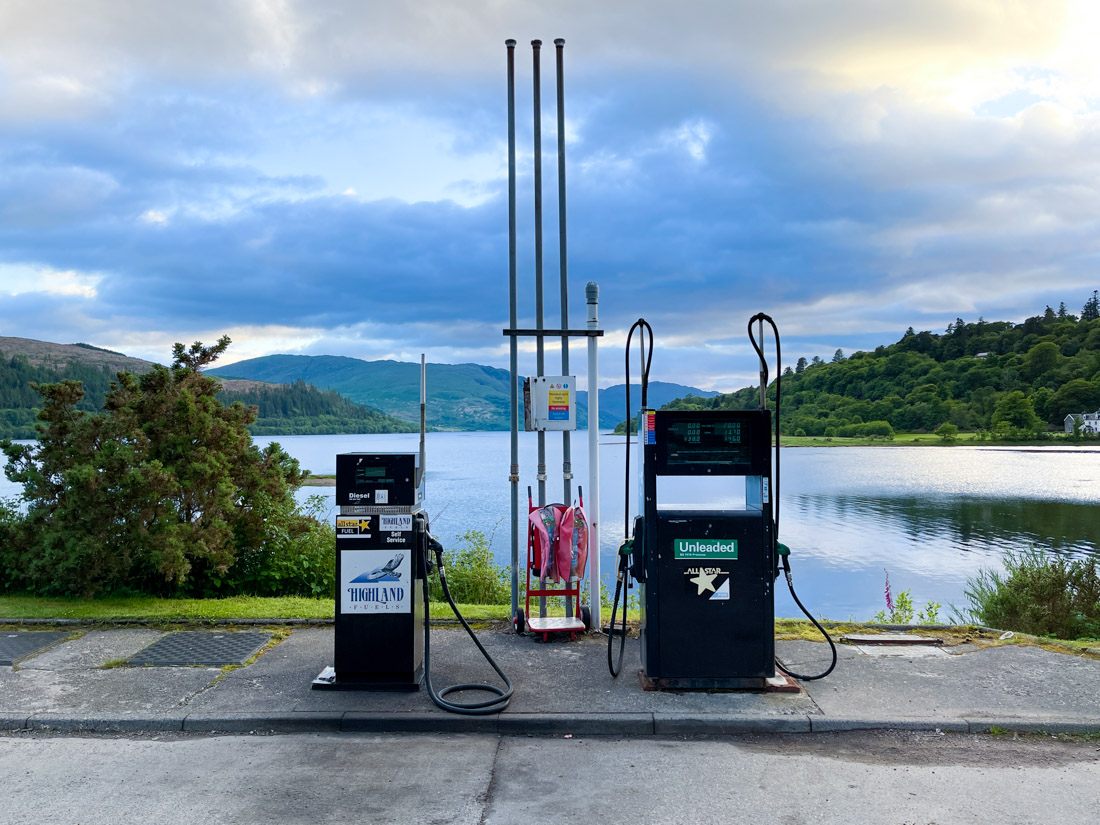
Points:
x=147 y=608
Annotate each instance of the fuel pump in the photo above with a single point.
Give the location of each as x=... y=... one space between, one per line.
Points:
x=704 y=549
x=384 y=554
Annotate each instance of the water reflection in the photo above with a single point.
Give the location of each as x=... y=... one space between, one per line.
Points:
x=962 y=524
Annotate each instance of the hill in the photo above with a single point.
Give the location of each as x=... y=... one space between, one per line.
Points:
x=460 y=396
x=1016 y=379
x=283 y=409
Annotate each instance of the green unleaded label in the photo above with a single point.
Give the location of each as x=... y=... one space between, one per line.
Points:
x=705 y=548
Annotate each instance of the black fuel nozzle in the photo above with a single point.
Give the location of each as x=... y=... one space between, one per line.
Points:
x=637 y=550
x=435 y=547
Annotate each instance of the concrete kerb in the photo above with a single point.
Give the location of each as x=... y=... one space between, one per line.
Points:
x=296 y=722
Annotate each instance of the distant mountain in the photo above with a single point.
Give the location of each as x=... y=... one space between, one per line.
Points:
x=460 y=396
x=613 y=399
x=283 y=409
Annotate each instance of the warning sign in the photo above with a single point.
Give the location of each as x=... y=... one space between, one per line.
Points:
x=558 y=404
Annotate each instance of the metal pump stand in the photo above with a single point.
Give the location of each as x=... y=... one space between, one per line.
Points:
x=539 y=333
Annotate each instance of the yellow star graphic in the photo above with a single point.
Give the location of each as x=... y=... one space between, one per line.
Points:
x=704 y=581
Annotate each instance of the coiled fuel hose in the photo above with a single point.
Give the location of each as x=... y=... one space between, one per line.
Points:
x=622 y=575
x=502 y=696
x=780 y=551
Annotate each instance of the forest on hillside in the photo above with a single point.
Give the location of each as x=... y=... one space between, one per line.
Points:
x=297 y=408
x=1010 y=380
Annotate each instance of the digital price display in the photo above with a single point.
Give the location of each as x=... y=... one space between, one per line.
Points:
x=712 y=442
x=703 y=442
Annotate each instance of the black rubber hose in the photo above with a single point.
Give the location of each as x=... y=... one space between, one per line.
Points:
x=832 y=646
x=620 y=579
x=502 y=696
x=622 y=576
x=760 y=316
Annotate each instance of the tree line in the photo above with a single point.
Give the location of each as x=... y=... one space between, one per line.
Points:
x=298 y=408
x=1008 y=380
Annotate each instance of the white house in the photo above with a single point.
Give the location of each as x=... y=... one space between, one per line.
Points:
x=1090 y=422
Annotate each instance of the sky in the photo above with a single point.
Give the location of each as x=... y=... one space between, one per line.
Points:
x=330 y=177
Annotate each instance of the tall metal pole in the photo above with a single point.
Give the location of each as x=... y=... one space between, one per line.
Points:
x=540 y=348
x=563 y=269
x=513 y=354
x=592 y=296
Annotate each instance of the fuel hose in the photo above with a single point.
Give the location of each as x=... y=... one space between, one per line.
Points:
x=780 y=551
x=622 y=575
x=501 y=696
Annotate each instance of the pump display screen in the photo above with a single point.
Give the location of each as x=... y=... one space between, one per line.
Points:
x=716 y=442
x=373 y=475
x=707 y=442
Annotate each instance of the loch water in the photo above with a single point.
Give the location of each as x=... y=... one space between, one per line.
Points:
x=929 y=517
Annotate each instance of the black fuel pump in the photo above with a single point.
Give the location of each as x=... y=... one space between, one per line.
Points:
x=384 y=554
x=705 y=562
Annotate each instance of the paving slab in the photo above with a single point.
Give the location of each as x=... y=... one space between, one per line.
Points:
x=561 y=688
x=556 y=680
x=1010 y=682
x=118 y=692
x=93 y=650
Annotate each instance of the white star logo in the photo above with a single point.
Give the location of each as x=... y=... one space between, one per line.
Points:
x=704 y=581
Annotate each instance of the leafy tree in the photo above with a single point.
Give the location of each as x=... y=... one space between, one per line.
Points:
x=1091 y=309
x=159 y=492
x=1042 y=358
x=1014 y=410
x=947 y=432
x=838 y=356
x=1076 y=396
x=800 y=367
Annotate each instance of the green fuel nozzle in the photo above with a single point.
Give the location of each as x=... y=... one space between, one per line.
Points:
x=782 y=549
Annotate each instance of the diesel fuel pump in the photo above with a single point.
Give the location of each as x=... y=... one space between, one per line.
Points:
x=384 y=554
x=704 y=549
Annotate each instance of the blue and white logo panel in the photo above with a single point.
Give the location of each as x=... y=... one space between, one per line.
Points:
x=375 y=581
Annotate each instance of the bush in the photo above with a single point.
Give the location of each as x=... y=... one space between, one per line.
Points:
x=160 y=493
x=1039 y=593
x=297 y=559
x=473 y=577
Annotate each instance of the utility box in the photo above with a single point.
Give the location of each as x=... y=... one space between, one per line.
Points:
x=550 y=403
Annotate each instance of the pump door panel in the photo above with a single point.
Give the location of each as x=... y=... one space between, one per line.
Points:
x=715 y=617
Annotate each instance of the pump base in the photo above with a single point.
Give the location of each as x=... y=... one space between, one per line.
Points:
x=327 y=680
x=780 y=683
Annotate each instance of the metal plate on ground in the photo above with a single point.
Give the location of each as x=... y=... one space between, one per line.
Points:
x=18 y=644
x=189 y=648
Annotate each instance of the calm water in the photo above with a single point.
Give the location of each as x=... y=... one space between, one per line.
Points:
x=931 y=517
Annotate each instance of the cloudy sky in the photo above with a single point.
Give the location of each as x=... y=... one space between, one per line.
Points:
x=331 y=177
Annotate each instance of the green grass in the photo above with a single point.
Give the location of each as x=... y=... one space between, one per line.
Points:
x=147 y=608
x=917 y=440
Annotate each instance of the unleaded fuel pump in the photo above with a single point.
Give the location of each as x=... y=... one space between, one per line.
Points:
x=704 y=549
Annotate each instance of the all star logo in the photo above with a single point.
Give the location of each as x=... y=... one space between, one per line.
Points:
x=709 y=580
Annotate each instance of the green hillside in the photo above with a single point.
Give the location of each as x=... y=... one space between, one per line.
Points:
x=460 y=396
x=1014 y=380
x=296 y=408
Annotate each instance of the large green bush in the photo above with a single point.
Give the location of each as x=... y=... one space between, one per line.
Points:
x=160 y=493
x=473 y=577
x=1039 y=593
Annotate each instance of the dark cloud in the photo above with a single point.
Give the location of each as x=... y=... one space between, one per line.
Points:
x=698 y=193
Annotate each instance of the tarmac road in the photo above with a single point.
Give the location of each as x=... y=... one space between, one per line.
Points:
x=858 y=777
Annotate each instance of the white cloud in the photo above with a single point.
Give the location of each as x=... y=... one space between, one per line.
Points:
x=18 y=279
